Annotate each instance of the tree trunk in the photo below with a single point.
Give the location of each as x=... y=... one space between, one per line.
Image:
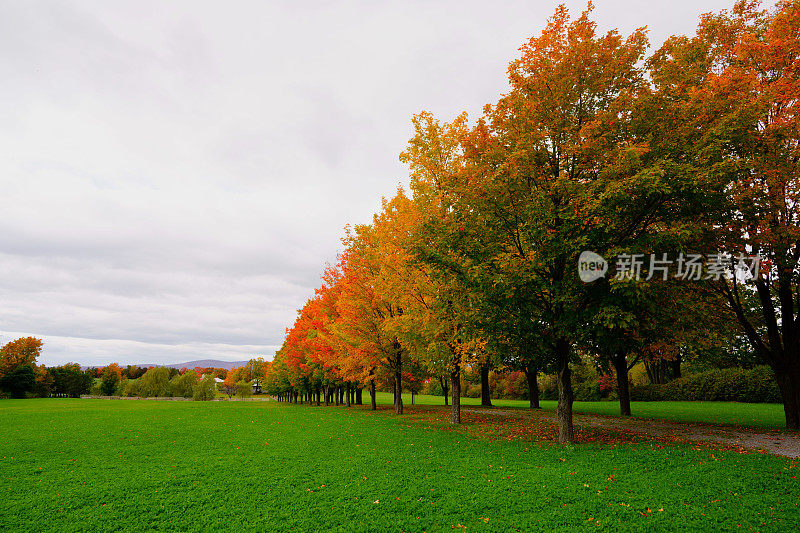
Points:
x=358 y=396
x=623 y=388
x=373 y=403
x=486 y=397
x=566 y=432
x=445 y=388
x=336 y=396
x=398 y=380
x=327 y=395
x=347 y=393
x=455 y=381
x=533 y=388
x=676 y=367
x=789 y=395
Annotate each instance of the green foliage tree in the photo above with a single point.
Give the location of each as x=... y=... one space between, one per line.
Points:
x=732 y=100
x=69 y=380
x=19 y=381
x=183 y=385
x=205 y=389
x=154 y=382
x=244 y=389
x=109 y=382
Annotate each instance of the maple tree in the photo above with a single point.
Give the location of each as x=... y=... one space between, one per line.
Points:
x=109 y=378
x=352 y=324
x=384 y=289
x=733 y=90
x=537 y=167
x=441 y=312
x=19 y=373
x=587 y=150
x=22 y=351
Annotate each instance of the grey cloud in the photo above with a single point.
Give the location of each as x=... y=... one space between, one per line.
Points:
x=174 y=176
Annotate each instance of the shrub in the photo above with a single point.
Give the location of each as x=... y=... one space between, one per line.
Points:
x=154 y=382
x=205 y=389
x=548 y=387
x=587 y=391
x=130 y=387
x=726 y=385
x=473 y=391
x=108 y=383
x=183 y=385
x=433 y=387
x=584 y=383
x=516 y=386
x=244 y=389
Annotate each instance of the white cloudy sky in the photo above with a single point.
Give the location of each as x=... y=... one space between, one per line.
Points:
x=174 y=175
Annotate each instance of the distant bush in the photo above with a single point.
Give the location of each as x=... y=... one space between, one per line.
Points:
x=433 y=387
x=473 y=391
x=183 y=385
x=585 y=385
x=205 y=389
x=244 y=389
x=108 y=383
x=548 y=387
x=517 y=386
x=130 y=387
x=756 y=385
x=154 y=382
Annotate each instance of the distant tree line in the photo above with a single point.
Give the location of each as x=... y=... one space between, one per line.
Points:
x=21 y=377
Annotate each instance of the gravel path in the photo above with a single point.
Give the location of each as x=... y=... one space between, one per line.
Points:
x=774 y=442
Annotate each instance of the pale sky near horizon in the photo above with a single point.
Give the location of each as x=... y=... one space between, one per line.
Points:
x=174 y=175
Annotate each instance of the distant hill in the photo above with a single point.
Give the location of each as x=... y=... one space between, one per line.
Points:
x=204 y=363
x=209 y=363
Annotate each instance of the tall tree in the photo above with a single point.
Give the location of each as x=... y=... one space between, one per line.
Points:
x=736 y=82
x=538 y=167
x=22 y=351
x=442 y=310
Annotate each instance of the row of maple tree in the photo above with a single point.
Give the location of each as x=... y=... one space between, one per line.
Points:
x=595 y=146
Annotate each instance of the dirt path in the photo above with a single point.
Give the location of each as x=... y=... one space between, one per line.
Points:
x=774 y=442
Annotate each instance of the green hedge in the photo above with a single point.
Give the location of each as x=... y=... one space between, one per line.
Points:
x=727 y=385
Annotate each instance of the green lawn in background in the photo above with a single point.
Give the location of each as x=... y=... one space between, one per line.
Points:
x=70 y=465
x=767 y=415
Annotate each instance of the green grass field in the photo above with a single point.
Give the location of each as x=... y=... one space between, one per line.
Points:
x=767 y=415
x=72 y=465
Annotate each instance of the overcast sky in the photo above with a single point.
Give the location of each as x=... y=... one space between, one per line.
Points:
x=174 y=175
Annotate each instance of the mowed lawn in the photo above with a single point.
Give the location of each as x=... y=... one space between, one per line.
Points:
x=766 y=415
x=70 y=465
